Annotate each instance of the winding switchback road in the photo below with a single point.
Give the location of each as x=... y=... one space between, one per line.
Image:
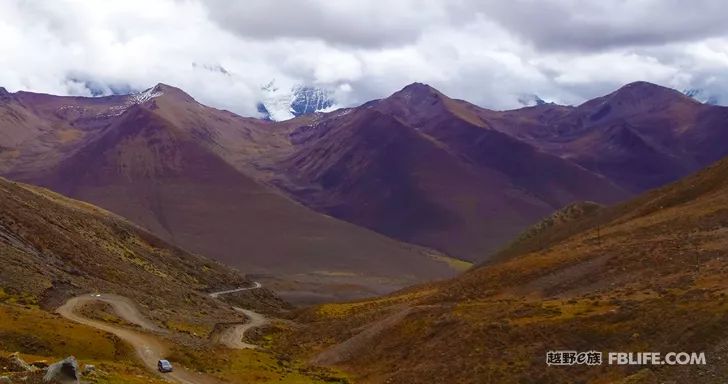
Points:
x=232 y=337
x=147 y=346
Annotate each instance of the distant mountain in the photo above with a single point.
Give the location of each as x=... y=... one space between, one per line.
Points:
x=640 y=136
x=359 y=193
x=280 y=104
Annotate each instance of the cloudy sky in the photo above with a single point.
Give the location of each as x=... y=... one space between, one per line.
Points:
x=488 y=52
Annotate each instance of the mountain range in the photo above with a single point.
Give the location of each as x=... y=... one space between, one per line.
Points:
x=480 y=176
x=393 y=189
x=592 y=227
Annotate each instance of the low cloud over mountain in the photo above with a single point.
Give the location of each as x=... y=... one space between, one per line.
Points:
x=491 y=53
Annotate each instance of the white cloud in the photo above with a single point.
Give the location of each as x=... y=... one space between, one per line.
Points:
x=488 y=52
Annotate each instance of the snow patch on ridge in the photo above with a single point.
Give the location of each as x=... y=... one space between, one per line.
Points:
x=144 y=96
x=132 y=99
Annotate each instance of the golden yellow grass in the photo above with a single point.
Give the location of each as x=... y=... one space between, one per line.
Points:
x=253 y=366
x=39 y=335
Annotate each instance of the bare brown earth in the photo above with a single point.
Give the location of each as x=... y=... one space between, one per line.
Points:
x=357 y=344
x=647 y=275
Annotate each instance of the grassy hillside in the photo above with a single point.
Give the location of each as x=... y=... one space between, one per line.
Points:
x=41 y=336
x=53 y=248
x=647 y=275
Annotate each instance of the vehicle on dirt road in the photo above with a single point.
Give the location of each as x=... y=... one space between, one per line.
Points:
x=164 y=366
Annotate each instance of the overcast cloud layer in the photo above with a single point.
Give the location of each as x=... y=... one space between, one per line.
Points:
x=488 y=52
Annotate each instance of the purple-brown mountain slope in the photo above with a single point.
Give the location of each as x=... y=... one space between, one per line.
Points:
x=445 y=173
x=155 y=159
x=419 y=167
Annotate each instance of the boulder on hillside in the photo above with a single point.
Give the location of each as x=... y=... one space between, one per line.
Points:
x=64 y=371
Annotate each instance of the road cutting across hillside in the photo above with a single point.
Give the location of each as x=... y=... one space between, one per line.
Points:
x=256 y=285
x=232 y=337
x=148 y=347
x=148 y=344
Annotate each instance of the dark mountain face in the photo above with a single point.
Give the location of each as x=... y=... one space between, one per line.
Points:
x=375 y=171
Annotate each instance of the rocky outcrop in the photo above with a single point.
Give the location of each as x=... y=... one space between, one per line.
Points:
x=14 y=369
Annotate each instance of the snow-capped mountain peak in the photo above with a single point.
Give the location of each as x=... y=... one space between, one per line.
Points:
x=283 y=104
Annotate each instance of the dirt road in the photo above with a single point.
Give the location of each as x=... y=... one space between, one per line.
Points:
x=232 y=336
x=256 y=285
x=149 y=347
